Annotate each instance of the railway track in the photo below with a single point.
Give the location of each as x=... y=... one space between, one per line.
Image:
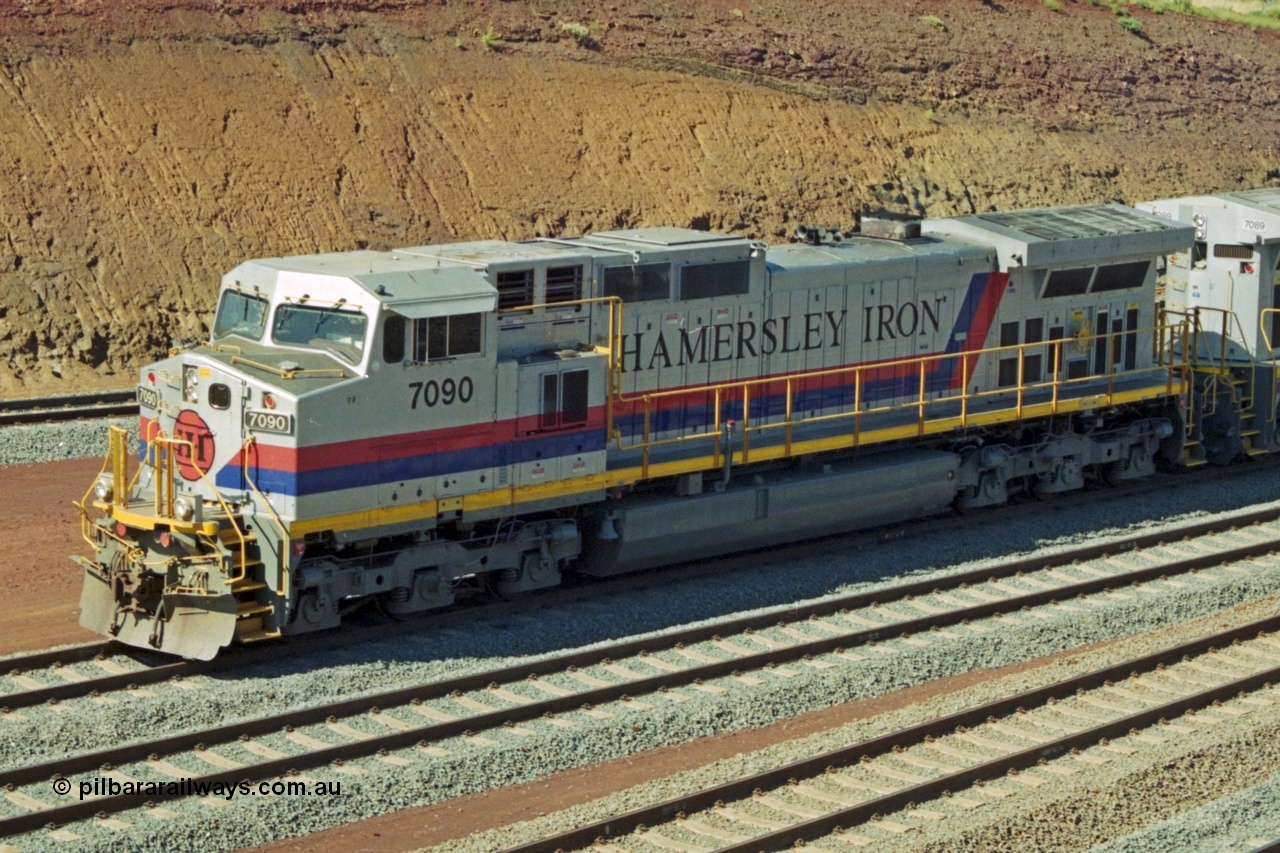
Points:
x=752 y=651
x=79 y=671
x=95 y=669
x=960 y=761
x=68 y=407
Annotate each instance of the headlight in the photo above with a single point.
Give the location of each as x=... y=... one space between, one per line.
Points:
x=191 y=385
x=183 y=507
x=103 y=488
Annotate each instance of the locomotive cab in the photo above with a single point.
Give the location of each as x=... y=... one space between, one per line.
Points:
x=1231 y=268
x=1226 y=284
x=353 y=431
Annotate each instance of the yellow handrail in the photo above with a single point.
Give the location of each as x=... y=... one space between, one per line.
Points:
x=283 y=589
x=290 y=374
x=165 y=445
x=108 y=460
x=1262 y=327
x=117 y=459
x=898 y=370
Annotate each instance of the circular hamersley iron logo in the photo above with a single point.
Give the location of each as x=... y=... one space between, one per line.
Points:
x=198 y=457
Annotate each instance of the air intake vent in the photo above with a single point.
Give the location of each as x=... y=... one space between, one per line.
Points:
x=816 y=235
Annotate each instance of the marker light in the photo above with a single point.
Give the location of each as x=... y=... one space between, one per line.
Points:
x=183 y=507
x=268 y=399
x=103 y=487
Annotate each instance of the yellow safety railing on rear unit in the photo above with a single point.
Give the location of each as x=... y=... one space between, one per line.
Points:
x=915 y=394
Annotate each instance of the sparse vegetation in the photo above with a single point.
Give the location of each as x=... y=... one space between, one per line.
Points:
x=489 y=38
x=934 y=21
x=585 y=34
x=1053 y=5
x=1131 y=24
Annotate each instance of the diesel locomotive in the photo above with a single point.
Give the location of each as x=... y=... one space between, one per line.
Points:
x=405 y=428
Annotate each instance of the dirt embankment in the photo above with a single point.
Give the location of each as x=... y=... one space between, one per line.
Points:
x=149 y=147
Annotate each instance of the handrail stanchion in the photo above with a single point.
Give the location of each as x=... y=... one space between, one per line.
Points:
x=920 y=420
x=645 y=464
x=283 y=588
x=1057 y=377
x=1022 y=361
x=718 y=428
x=790 y=411
x=1111 y=373
x=857 y=407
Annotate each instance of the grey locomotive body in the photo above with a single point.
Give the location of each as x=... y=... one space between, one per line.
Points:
x=409 y=426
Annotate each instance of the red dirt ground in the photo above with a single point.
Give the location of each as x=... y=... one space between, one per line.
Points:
x=41 y=585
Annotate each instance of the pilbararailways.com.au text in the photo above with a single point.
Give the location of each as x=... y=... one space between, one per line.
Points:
x=105 y=787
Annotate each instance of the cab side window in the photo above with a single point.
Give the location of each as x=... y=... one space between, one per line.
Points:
x=393 y=339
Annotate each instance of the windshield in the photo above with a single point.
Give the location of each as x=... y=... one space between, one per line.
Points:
x=240 y=314
x=339 y=332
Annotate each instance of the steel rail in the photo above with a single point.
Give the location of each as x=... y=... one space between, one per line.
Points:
x=115 y=681
x=68 y=407
x=248 y=656
x=818 y=827
x=548 y=666
x=240 y=656
x=55 y=657
x=403 y=738
x=783 y=839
